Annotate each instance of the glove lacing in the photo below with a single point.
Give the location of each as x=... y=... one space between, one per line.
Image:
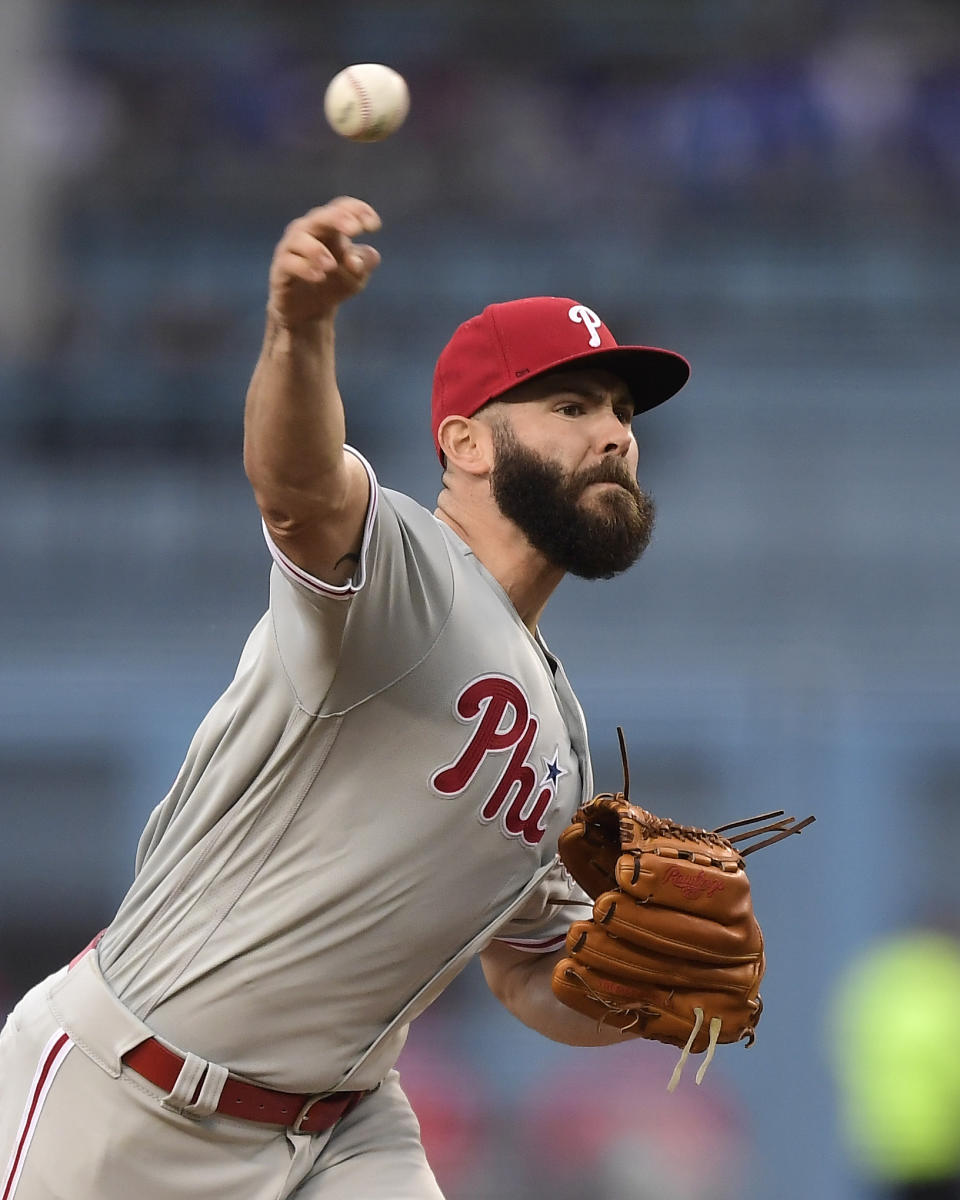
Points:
x=715 y=1024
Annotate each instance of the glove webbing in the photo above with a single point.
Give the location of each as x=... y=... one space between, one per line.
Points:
x=780 y=829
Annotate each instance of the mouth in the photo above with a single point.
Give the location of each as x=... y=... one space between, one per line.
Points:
x=604 y=485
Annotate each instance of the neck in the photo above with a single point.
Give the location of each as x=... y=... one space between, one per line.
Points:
x=523 y=573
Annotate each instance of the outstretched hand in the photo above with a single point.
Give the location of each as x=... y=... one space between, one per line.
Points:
x=317 y=265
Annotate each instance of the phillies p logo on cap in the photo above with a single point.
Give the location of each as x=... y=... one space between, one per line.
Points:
x=588 y=317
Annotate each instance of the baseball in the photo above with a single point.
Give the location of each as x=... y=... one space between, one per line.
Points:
x=366 y=102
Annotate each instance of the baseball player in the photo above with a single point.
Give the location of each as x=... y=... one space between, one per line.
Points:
x=376 y=797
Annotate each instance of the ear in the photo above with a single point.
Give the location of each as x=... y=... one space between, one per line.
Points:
x=467 y=444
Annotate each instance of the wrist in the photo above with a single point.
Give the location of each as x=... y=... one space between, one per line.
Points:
x=282 y=333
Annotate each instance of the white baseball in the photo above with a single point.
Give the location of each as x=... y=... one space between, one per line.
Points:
x=366 y=102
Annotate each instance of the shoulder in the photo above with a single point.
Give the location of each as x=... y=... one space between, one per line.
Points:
x=408 y=512
x=409 y=533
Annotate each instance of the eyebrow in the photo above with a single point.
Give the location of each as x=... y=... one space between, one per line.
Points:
x=597 y=392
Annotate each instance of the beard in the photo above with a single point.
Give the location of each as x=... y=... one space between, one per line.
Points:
x=594 y=541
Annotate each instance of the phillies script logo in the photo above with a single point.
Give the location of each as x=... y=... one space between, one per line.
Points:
x=693 y=884
x=502 y=723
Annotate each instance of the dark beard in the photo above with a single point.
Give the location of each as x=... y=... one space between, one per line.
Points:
x=544 y=502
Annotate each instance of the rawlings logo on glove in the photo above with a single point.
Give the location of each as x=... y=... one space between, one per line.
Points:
x=673 y=951
x=692 y=885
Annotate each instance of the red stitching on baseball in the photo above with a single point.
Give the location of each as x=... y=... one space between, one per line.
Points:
x=364 y=101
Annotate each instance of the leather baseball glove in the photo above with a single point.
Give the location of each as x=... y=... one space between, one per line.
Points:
x=673 y=951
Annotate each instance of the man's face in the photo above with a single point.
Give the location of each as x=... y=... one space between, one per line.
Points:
x=578 y=501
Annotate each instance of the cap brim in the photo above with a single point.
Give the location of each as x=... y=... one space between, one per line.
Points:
x=652 y=375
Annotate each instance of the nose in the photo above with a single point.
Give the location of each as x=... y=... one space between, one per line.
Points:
x=613 y=434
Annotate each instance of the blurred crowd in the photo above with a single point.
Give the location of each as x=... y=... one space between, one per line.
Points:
x=145 y=104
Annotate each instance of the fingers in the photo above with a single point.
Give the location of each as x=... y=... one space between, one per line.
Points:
x=310 y=261
x=363 y=261
x=332 y=226
x=322 y=238
x=317 y=265
x=317 y=260
x=345 y=214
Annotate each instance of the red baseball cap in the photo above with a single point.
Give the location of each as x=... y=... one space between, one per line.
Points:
x=509 y=343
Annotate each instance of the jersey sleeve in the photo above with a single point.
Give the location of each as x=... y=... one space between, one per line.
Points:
x=340 y=645
x=540 y=927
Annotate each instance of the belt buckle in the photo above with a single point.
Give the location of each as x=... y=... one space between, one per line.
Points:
x=304 y=1112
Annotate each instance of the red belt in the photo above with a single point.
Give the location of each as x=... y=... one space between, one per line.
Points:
x=248 y=1101
x=303 y=1114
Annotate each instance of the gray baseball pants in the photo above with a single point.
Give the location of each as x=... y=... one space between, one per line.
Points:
x=77 y=1124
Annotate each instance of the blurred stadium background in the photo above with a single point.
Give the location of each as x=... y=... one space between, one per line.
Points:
x=771 y=187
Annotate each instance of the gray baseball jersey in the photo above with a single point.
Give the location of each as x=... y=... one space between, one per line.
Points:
x=376 y=795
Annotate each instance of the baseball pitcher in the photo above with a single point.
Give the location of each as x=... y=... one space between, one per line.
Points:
x=378 y=795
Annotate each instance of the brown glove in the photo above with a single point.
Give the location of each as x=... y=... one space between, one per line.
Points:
x=673 y=951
